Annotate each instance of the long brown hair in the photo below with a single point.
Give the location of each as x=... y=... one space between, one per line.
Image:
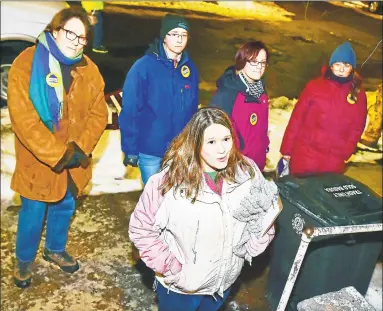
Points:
x=356 y=83
x=355 y=86
x=183 y=158
x=60 y=19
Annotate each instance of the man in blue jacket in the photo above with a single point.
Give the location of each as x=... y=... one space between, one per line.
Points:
x=160 y=95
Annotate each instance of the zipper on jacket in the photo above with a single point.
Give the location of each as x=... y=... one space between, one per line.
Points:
x=182 y=99
x=195 y=244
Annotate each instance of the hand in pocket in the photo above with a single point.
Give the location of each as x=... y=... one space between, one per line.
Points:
x=172 y=278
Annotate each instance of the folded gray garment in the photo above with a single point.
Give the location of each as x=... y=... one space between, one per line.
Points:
x=258 y=201
x=252 y=208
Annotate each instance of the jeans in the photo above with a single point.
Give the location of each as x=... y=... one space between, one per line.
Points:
x=31 y=220
x=149 y=165
x=98 y=30
x=173 y=301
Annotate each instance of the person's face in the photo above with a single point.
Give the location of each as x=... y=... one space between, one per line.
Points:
x=341 y=69
x=216 y=147
x=176 y=40
x=71 y=39
x=255 y=68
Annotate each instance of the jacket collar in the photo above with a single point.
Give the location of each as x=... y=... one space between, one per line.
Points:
x=230 y=80
x=78 y=69
x=156 y=49
x=324 y=69
x=225 y=187
x=207 y=194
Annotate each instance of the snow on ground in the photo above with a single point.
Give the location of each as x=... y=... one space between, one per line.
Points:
x=110 y=175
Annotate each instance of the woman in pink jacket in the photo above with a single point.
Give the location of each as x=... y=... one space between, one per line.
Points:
x=241 y=93
x=328 y=119
x=200 y=218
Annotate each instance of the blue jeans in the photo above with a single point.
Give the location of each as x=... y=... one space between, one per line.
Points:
x=31 y=220
x=173 y=301
x=149 y=165
x=98 y=30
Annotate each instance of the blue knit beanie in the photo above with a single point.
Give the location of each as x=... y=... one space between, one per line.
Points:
x=171 y=21
x=344 y=53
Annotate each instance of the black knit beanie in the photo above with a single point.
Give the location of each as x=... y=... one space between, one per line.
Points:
x=171 y=21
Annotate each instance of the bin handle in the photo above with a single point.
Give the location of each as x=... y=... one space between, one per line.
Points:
x=308 y=234
x=351 y=240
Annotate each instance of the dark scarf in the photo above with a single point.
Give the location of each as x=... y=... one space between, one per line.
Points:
x=341 y=80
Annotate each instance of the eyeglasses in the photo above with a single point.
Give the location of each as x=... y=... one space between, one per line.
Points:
x=178 y=35
x=70 y=35
x=255 y=64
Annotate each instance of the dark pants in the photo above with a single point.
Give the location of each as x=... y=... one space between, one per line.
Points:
x=172 y=301
x=98 y=30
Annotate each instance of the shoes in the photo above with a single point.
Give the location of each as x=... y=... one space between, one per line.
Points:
x=62 y=259
x=101 y=49
x=22 y=275
x=370 y=143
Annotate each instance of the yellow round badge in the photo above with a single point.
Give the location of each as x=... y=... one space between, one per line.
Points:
x=350 y=100
x=253 y=119
x=53 y=79
x=185 y=71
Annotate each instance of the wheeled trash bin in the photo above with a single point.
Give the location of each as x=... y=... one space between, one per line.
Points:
x=331 y=262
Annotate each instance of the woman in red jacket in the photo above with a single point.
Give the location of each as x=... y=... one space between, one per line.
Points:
x=328 y=119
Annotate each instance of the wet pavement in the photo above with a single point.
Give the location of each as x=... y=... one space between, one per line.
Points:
x=110 y=277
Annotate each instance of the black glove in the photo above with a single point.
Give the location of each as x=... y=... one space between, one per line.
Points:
x=80 y=155
x=131 y=160
x=79 y=158
x=72 y=158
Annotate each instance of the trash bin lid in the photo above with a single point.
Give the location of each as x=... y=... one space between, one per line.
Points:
x=332 y=199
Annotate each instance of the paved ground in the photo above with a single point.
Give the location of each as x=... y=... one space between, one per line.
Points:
x=110 y=277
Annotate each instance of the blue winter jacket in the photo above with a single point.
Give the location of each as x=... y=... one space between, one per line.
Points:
x=158 y=101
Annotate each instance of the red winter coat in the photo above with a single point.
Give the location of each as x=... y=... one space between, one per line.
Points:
x=324 y=128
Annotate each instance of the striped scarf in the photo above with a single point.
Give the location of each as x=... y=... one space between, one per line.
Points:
x=46 y=89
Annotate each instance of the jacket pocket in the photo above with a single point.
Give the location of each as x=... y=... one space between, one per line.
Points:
x=196 y=277
x=35 y=179
x=187 y=97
